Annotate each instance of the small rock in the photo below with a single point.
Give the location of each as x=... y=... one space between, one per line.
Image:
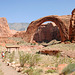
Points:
x=21 y=68
x=13 y=62
x=13 y=66
x=17 y=65
x=9 y=64
x=25 y=74
x=18 y=69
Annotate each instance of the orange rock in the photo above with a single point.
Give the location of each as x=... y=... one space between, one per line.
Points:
x=72 y=27
x=19 y=34
x=61 y=67
x=4 y=28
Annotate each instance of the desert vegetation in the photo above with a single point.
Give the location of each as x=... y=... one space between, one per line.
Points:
x=32 y=63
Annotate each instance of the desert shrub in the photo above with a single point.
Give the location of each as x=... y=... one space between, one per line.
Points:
x=34 y=59
x=33 y=43
x=11 y=56
x=23 y=58
x=32 y=71
x=58 y=55
x=50 y=71
x=69 y=69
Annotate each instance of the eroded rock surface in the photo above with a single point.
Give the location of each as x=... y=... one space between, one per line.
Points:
x=19 y=34
x=47 y=32
x=72 y=27
x=4 y=28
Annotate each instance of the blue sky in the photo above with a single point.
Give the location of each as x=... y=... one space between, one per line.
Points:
x=29 y=10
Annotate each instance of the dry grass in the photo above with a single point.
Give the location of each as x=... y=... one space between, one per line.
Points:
x=62 y=46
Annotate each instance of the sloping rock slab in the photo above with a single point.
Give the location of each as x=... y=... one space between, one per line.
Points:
x=49 y=52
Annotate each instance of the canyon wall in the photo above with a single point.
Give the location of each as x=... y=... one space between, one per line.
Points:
x=4 y=28
x=47 y=32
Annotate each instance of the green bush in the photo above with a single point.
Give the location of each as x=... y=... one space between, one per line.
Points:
x=32 y=71
x=11 y=56
x=50 y=71
x=34 y=59
x=33 y=43
x=23 y=58
x=69 y=69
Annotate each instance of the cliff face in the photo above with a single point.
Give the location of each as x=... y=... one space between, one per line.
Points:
x=72 y=27
x=4 y=28
x=47 y=32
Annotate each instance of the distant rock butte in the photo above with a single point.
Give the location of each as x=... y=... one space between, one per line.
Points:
x=4 y=28
x=5 y=32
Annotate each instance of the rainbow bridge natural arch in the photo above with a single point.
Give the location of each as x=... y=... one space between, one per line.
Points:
x=58 y=20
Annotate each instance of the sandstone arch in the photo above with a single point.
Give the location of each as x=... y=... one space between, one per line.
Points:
x=58 y=20
x=72 y=27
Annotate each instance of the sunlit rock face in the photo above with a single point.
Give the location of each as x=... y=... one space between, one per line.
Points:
x=4 y=28
x=72 y=27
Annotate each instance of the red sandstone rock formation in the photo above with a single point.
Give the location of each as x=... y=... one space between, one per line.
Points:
x=5 y=32
x=72 y=27
x=4 y=28
x=19 y=34
x=62 y=22
x=13 y=32
x=50 y=52
x=47 y=32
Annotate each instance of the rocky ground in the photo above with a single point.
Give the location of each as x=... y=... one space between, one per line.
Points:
x=7 y=70
x=47 y=62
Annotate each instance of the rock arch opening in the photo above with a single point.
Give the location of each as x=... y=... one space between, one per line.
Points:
x=58 y=20
x=46 y=32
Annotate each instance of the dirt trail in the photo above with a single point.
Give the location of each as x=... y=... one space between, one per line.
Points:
x=8 y=70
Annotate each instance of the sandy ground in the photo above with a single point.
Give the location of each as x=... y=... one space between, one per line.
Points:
x=7 y=70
